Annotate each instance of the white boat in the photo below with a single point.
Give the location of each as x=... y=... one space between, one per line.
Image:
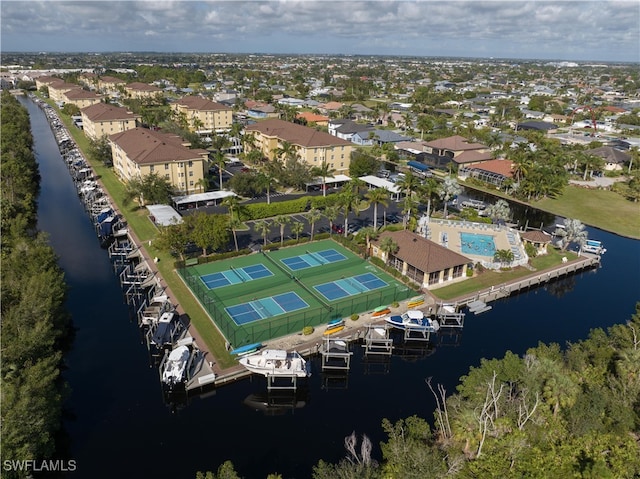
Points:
x=276 y=362
x=593 y=246
x=175 y=367
x=414 y=320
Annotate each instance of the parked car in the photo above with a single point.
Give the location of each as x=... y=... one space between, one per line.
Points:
x=337 y=228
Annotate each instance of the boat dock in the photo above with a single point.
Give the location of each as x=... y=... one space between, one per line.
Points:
x=478 y=302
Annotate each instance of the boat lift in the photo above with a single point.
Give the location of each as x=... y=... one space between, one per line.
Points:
x=335 y=354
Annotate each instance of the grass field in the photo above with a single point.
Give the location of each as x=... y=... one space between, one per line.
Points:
x=320 y=309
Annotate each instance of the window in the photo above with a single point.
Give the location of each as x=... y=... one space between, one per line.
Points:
x=167 y=176
x=166 y=166
x=151 y=168
x=191 y=183
x=190 y=164
x=180 y=164
x=191 y=173
x=181 y=174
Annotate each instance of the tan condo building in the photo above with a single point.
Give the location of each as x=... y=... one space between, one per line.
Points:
x=142 y=90
x=104 y=119
x=202 y=114
x=81 y=98
x=140 y=152
x=313 y=147
x=58 y=90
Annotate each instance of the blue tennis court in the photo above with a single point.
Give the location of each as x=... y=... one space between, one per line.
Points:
x=235 y=276
x=344 y=287
x=265 y=308
x=310 y=260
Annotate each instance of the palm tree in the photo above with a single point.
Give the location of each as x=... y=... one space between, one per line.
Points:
x=377 y=196
x=264 y=228
x=286 y=151
x=448 y=189
x=323 y=171
x=282 y=221
x=234 y=225
x=297 y=227
x=331 y=213
x=389 y=247
x=313 y=216
x=348 y=201
x=409 y=183
x=573 y=232
x=233 y=205
x=425 y=123
x=219 y=161
x=370 y=233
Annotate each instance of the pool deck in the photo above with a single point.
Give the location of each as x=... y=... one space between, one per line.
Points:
x=453 y=229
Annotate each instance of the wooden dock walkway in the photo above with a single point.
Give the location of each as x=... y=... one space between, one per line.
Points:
x=585 y=261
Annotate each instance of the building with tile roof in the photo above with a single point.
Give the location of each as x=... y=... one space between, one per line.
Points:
x=58 y=89
x=614 y=159
x=142 y=90
x=140 y=152
x=313 y=147
x=82 y=98
x=494 y=172
x=422 y=260
x=105 y=119
x=204 y=114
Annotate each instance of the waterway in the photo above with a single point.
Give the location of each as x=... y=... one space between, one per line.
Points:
x=120 y=425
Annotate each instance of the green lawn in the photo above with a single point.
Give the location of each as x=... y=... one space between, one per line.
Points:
x=603 y=209
x=488 y=278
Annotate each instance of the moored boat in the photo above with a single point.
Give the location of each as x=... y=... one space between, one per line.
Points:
x=414 y=320
x=276 y=362
x=175 y=367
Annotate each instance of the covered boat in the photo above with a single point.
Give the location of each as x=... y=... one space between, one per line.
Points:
x=276 y=362
x=175 y=367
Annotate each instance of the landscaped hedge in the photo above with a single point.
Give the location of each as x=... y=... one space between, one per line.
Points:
x=256 y=211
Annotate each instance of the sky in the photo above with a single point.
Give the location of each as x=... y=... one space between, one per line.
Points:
x=596 y=30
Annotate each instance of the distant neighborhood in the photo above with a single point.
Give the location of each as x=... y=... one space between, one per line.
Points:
x=332 y=118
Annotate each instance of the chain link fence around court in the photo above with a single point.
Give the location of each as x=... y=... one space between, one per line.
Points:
x=320 y=310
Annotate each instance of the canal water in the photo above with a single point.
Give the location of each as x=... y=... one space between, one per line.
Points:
x=120 y=425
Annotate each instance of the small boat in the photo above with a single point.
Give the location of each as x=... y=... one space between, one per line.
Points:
x=175 y=367
x=415 y=302
x=247 y=349
x=414 y=320
x=165 y=329
x=276 y=362
x=593 y=246
x=380 y=311
x=334 y=326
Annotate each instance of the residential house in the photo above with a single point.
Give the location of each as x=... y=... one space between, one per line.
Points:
x=424 y=261
x=104 y=119
x=494 y=172
x=261 y=110
x=81 y=98
x=345 y=129
x=614 y=160
x=140 y=152
x=377 y=137
x=313 y=147
x=537 y=126
x=455 y=149
x=313 y=118
x=204 y=114
x=142 y=90
x=330 y=107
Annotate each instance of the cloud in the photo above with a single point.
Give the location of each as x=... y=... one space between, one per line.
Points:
x=588 y=30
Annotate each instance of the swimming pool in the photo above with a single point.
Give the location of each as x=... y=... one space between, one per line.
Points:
x=476 y=244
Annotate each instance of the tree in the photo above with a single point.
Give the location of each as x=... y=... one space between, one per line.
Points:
x=503 y=256
x=573 y=232
x=282 y=221
x=323 y=171
x=313 y=216
x=297 y=227
x=219 y=161
x=100 y=150
x=149 y=189
x=233 y=205
x=499 y=211
x=264 y=228
x=331 y=213
x=448 y=190
x=347 y=201
x=362 y=164
x=377 y=196
x=389 y=247
x=409 y=183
